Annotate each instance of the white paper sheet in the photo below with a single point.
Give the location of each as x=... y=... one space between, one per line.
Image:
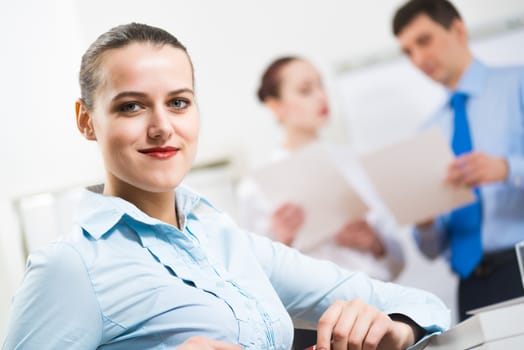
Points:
x=409 y=177
x=311 y=179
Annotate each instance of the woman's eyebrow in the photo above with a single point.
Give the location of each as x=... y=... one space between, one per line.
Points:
x=137 y=94
x=180 y=91
x=129 y=94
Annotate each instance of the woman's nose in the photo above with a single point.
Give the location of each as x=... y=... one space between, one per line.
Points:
x=322 y=96
x=159 y=127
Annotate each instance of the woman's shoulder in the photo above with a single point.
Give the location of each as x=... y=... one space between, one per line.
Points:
x=73 y=249
x=57 y=260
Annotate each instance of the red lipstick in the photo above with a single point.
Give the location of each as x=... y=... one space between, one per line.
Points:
x=160 y=152
x=324 y=112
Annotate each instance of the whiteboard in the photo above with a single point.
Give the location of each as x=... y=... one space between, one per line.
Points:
x=387 y=101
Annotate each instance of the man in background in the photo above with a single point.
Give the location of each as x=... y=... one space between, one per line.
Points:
x=484 y=120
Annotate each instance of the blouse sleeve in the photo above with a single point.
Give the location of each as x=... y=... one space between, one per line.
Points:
x=55 y=307
x=307 y=287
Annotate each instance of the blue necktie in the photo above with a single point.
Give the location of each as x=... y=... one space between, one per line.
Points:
x=465 y=222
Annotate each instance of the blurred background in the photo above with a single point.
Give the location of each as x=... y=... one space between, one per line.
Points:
x=376 y=97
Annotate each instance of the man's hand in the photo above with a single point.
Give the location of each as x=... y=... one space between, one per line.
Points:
x=476 y=168
x=355 y=325
x=360 y=235
x=286 y=221
x=425 y=224
x=203 y=343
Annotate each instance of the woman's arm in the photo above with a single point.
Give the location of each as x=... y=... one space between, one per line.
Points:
x=55 y=307
x=308 y=287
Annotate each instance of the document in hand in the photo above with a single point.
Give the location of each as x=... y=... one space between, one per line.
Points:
x=498 y=326
x=409 y=177
x=311 y=179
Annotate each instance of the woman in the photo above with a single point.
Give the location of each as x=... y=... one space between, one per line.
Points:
x=292 y=89
x=152 y=265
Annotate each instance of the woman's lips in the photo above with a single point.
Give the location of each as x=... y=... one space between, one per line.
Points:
x=324 y=112
x=159 y=152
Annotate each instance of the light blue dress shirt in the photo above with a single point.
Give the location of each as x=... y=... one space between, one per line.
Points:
x=495 y=110
x=125 y=280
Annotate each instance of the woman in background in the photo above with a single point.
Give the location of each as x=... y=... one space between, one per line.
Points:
x=292 y=89
x=153 y=265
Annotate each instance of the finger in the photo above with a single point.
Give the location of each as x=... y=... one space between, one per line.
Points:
x=301 y=213
x=425 y=223
x=356 y=225
x=295 y=208
x=472 y=180
x=284 y=211
x=294 y=220
x=376 y=333
x=326 y=324
x=291 y=212
x=345 y=326
x=295 y=224
x=453 y=175
x=359 y=332
x=278 y=214
x=460 y=177
x=284 y=217
x=366 y=225
x=473 y=164
x=282 y=207
x=346 y=238
x=454 y=165
x=470 y=156
x=473 y=174
x=466 y=157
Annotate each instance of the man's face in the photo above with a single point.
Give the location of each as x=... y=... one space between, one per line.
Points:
x=437 y=51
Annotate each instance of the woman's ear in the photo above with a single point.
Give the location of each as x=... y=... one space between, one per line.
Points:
x=84 y=122
x=275 y=106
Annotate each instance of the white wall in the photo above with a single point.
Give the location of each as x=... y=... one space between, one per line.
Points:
x=230 y=42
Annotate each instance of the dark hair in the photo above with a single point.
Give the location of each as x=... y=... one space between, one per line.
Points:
x=270 y=82
x=441 y=11
x=115 y=38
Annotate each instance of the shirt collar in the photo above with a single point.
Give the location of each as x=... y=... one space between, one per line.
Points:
x=473 y=79
x=98 y=213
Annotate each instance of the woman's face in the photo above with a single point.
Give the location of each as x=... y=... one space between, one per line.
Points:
x=144 y=117
x=302 y=103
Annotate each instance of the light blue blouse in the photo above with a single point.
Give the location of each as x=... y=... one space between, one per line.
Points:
x=495 y=110
x=124 y=280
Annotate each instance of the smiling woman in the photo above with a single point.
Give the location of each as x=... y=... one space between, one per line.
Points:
x=143 y=117
x=153 y=265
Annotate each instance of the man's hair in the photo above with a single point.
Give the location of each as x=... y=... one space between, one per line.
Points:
x=441 y=11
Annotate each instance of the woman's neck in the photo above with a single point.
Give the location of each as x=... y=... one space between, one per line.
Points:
x=298 y=138
x=159 y=205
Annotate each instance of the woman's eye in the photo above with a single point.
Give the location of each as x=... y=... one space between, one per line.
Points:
x=179 y=103
x=129 y=107
x=305 y=91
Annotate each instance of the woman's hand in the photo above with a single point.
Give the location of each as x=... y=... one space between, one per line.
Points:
x=355 y=325
x=202 y=343
x=286 y=221
x=360 y=235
